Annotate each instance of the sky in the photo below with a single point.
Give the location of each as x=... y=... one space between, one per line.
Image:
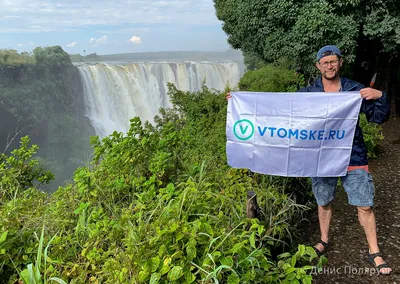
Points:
x=111 y=26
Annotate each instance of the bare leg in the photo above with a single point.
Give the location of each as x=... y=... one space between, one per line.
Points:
x=324 y=216
x=366 y=217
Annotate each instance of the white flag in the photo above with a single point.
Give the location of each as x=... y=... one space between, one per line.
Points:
x=292 y=134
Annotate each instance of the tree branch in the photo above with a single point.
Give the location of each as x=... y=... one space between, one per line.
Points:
x=11 y=139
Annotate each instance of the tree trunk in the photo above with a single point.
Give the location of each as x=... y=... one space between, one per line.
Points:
x=252 y=209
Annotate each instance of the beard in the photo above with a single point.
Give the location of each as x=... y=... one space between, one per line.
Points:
x=331 y=75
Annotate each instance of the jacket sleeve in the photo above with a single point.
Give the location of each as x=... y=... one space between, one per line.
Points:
x=304 y=90
x=377 y=111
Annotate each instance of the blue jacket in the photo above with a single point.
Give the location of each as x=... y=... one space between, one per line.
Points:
x=377 y=111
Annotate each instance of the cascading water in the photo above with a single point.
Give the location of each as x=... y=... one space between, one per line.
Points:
x=116 y=93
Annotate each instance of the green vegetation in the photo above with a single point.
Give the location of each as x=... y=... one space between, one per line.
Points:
x=41 y=96
x=372 y=135
x=297 y=29
x=19 y=172
x=367 y=32
x=42 y=56
x=157 y=205
x=52 y=55
x=12 y=57
x=269 y=79
x=253 y=61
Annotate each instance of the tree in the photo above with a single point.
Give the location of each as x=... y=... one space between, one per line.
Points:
x=76 y=57
x=270 y=79
x=51 y=55
x=5 y=57
x=253 y=61
x=12 y=57
x=367 y=32
x=92 y=55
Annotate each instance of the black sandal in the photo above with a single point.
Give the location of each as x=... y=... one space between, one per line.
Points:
x=321 y=252
x=371 y=260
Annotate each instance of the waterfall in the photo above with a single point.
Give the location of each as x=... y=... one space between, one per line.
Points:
x=114 y=94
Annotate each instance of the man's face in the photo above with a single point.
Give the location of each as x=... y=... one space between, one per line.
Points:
x=329 y=66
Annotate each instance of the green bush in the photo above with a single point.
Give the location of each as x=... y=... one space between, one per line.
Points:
x=271 y=79
x=19 y=171
x=159 y=204
x=372 y=135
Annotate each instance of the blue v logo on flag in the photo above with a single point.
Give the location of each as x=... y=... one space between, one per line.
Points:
x=243 y=129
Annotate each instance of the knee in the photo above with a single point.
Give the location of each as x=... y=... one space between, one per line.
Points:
x=326 y=207
x=364 y=209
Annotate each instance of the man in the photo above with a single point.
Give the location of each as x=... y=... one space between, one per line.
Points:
x=358 y=182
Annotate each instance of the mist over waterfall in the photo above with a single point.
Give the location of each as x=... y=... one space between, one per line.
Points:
x=114 y=94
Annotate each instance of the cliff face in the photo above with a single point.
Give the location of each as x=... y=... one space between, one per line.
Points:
x=31 y=96
x=46 y=103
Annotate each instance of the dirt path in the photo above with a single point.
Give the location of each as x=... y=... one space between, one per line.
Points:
x=347 y=254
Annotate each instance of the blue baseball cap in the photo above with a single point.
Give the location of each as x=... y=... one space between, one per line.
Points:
x=326 y=48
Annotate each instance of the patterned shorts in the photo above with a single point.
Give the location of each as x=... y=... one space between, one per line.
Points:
x=357 y=183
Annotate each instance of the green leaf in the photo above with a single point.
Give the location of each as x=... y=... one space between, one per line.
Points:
x=284 y=255
x=31 y=273
x=260 y=229
x=143 y=275
x=290 y=276
x=166 y=265
x=58 y=280
x=228 y=261
x=233 y=278
x=155 y=263
x=236 y=248
x=175 y=273
x=25 y=275
x=216 y=255
x=253 y=240
x=191 y=252
x=311 y=252
x=155 y=278
x=307 y=279
x=290 y=270
x=3 y=237
x=294 y=281
x=208 y=228
x=189 y=277
x=293 y=262
x=302 y=249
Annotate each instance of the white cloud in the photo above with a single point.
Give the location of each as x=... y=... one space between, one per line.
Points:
x=135 y=40
x=72 y=44
x=97 y=41
x=20 y=44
